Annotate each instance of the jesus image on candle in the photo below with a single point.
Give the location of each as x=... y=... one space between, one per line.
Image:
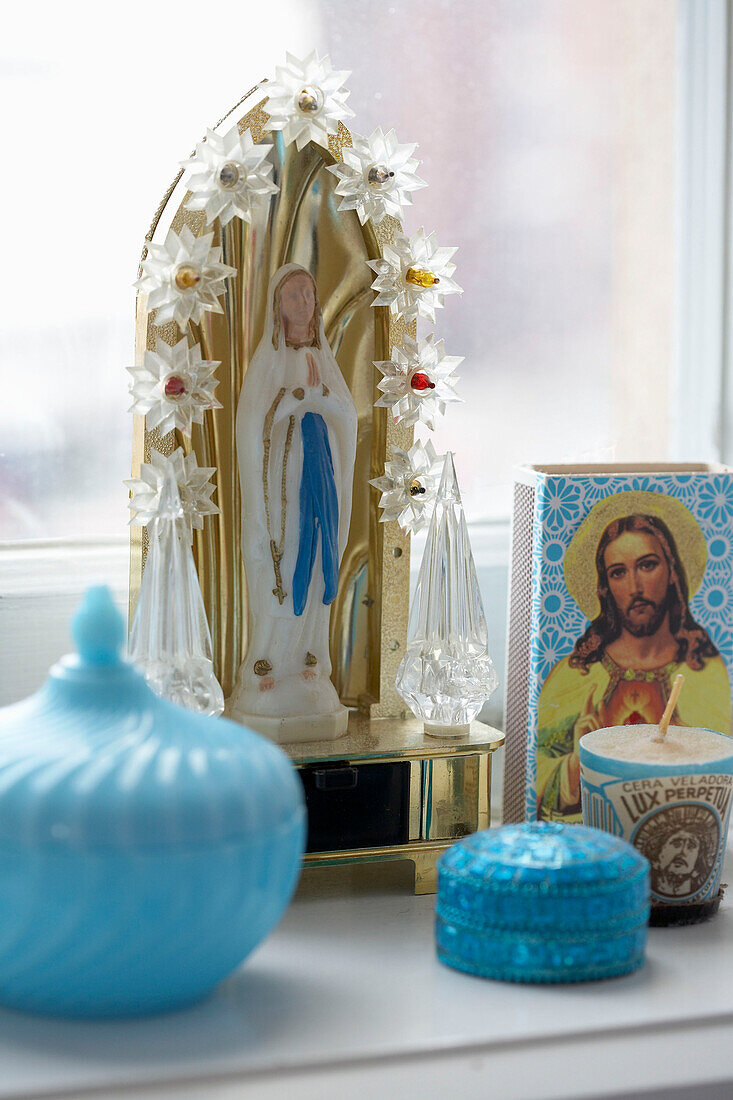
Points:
x=681 y=843
x=632 y=582
x=296 y=442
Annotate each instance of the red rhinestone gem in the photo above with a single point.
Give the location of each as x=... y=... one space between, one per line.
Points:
x=421 y=381
x=174 y=386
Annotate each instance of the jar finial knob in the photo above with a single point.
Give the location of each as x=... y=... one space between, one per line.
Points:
x=97 y=627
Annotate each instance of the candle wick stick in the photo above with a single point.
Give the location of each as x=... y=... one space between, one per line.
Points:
x=669 y=709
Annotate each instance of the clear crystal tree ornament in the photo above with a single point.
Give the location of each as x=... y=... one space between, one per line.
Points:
x=408 y=486
x=229 y=176
x=447 y=674
x=413 y=276
x=307 y=100
x=184 y=278
x=418 y=381
x=377 y=176
x=193 y=483
x=170 y=638
x=174 y=387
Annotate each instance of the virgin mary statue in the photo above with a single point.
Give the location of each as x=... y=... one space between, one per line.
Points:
x=296 y=442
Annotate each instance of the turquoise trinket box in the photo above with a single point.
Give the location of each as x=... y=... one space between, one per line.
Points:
x=145 y=850
x=542 y=902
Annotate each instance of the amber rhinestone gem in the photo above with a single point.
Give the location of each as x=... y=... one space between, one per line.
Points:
x=420 y=276
x=309 y=101
x=187 y=277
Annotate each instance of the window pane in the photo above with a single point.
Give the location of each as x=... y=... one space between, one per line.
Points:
x=546 y=131
x=547 y=135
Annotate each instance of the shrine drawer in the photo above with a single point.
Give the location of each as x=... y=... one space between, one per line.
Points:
x=356 y=805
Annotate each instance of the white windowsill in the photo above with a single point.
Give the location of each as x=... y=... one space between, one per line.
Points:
x=41 y=584
x=57 y=565
x=347 y=998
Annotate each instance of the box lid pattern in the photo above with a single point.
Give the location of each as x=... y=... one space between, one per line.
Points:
x=542 y=902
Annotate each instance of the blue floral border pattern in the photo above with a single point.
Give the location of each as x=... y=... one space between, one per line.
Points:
x=561 y=504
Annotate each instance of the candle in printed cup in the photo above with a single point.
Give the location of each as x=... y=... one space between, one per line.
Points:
x=668 y=792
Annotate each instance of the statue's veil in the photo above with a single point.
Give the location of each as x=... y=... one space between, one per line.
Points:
x=266 y=370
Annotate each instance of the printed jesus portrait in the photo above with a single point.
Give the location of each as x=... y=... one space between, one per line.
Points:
x=681 y=843
x=296 y=443
x=678 y=862
x=621 y=669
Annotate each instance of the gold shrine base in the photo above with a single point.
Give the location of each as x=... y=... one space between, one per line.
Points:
x=441 y=792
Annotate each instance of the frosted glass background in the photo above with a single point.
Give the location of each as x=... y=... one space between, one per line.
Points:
x=546 y=132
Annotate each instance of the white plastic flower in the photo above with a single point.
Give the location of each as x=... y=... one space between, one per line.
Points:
x=194 y=487
x=418 y=381
x=413 y=276
x=409 y=486
x=229 y=176
x=307 y=100
x=174 y=387
x=183 y=278
x=377 y=176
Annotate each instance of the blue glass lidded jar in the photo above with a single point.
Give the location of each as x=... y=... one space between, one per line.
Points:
x=145 y=850
x=542 y=902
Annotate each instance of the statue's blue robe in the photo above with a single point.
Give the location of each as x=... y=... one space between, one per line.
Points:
x=319 y=513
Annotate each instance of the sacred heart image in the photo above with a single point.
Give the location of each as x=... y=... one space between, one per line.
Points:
x=632 y=567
